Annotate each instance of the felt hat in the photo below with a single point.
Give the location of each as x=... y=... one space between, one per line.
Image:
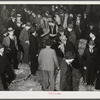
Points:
x=10 y=29
x=18 y=15
x=28 y=24
x=69 y=55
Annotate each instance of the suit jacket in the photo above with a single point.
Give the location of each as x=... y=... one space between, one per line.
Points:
x=24 y=36
x=70 y=47
x=47 y=59
x=33 y=47
x=91 y=59
x=6 y=42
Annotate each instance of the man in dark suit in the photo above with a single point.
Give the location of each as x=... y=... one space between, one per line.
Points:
x=5 y=70
x=91 y=62
x=66 y=72
x=12 y=22
x=2 y=65
x=33 y=51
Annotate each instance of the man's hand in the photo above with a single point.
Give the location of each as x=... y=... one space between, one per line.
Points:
x=27 y=42
x=85 y=68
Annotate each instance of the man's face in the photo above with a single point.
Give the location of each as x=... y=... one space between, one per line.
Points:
x=70 y=29
x=11 y=33
x=91 y=27
x=28 y=27
x=18 y=18
x=70 y=60
x=2 y=50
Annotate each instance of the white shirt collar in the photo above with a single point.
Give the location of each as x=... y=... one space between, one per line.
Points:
x=1 y=54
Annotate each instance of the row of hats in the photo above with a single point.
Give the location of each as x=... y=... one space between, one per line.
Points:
x=3 y=30
x=14 y=16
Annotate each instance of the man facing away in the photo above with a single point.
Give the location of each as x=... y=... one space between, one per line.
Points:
x=47 y=61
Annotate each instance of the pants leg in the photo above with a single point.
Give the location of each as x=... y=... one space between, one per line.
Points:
x=26 y=53
x=1 y=85
x=45 y=83
x=9 y=72
x=15 y=60
x=51 y=80
x=34 y=64
x=3 y=78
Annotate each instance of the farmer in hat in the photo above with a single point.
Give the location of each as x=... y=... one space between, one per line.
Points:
x=65 y=45
x=6 y=73
x=66 y=72
x=3 y=34
x=2 y=66
x=10 y=42
x=91 y=29
x=12 y=22
x=70 y=33
x=91 y=62
x=24 y=40
x=33 y=51
x=53 y=28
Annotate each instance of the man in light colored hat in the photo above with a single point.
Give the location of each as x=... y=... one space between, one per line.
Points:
x=24 y=40
x=10 y=42
x=19 y=18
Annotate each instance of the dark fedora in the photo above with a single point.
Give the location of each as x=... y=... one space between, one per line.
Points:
x=69 y=55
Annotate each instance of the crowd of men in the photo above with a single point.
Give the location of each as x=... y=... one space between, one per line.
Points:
x=49 y=41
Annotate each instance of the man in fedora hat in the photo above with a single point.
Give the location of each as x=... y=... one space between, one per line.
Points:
x=66 y=45
x=2 y=66
x=66 y=72
x=5 y=70
x=3 y=34
x=70 y=33
x=33 y=51
x=24 y=40
x=91 y=62
x=12 y=22
x=10 y=42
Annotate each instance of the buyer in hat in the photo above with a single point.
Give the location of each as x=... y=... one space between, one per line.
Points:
x=66 y=72
x=66 y=45
x=10 y=42
x=2 y=68
x=91 y=62
x=19 y=18
x=6 y=73
x=24 y=40
x=70 y=33
x=3 y=34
